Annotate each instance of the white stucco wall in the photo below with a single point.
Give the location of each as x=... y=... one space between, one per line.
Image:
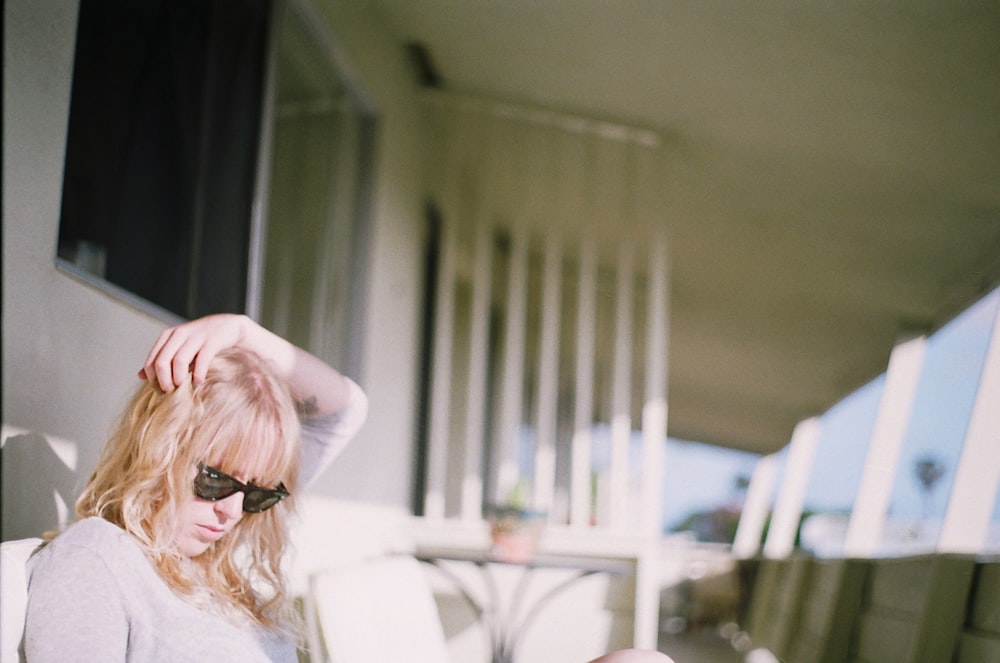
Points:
x=380 y=466
x=70 y=352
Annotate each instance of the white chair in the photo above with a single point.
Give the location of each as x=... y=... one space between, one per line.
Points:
x=379 y=609
x=14 y=594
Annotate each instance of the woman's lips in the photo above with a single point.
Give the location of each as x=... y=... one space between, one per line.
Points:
x=210 y=532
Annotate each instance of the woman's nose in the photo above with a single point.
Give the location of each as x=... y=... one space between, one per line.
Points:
x=230 y=507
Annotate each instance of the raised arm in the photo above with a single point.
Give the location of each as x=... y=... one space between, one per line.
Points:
x=317 y=387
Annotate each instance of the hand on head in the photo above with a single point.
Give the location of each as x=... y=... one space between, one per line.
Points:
x=185 y=352
x=189 y=349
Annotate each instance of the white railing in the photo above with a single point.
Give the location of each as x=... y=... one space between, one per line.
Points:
x=546 y=328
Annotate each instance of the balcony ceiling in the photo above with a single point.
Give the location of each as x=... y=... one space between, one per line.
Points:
x=835 y=177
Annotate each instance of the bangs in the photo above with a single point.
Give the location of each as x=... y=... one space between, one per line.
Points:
x=261 y=456
x=245 y=425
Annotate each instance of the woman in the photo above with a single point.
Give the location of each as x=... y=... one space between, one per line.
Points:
x=177 y=554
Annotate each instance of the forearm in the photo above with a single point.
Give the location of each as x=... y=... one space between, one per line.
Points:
x=317 y=387
x=325 y=437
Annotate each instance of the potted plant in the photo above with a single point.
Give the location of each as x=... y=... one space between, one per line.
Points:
x=515 y=528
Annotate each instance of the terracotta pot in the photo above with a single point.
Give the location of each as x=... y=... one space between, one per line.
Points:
x=514 y=533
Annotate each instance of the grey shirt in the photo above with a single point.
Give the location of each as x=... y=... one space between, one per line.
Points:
x=93 y=595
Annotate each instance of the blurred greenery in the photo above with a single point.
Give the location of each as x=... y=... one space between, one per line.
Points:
x=719 y=525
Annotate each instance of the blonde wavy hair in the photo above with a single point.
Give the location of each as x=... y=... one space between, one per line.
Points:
x=241 y=419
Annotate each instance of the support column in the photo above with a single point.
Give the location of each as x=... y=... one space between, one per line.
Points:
x=973 y=495
x=654 y=409
x=475 y=412
x=581 y=458
x=654 y=438
x=505 y=458
x=440 y=407
x=439 y=425
x=755 y=507
x=865 y=530
x=621 y=397
x=547 y=413
x=788 y=507
x=581 y=494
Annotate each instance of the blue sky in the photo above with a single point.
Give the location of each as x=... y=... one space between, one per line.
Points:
x=701 y=476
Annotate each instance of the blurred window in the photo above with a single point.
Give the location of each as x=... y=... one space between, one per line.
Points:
x=219 y=158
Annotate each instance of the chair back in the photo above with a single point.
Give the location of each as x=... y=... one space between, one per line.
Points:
x=380 y=609
x=14 y=594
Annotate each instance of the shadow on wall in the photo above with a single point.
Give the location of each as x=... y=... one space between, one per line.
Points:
x=39 y=482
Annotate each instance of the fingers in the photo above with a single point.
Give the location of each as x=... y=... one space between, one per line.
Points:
x=184 y=350
x=201 y=357
x=153 y=369
x=189 y=348
x=169 y=361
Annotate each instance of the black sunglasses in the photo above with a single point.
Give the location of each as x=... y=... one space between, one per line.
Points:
x=213 y=485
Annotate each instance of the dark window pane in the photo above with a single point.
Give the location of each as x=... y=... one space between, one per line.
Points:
x=162 y=148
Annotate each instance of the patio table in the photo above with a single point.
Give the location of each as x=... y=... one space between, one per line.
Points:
x=505 y=627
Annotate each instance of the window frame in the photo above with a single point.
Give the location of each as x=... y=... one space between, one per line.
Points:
x=258 y=224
